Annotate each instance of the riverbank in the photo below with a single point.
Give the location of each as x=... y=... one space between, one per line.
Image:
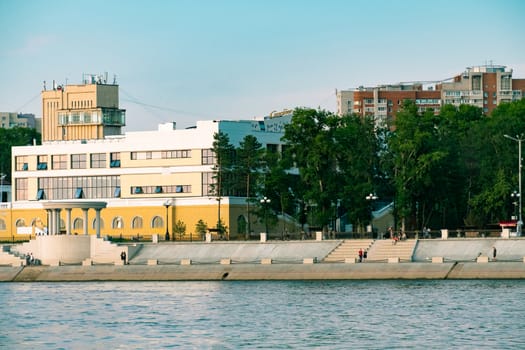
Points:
x=246 y=272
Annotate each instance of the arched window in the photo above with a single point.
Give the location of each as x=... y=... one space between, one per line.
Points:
x=136 y=222
x=78 y=223
x=2 y=225
x=20 y=223
x=117 y=222
x=157 y=222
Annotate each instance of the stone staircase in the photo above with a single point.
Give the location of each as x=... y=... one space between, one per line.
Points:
x=382 y=250
x=348 y=249
x=6 y=258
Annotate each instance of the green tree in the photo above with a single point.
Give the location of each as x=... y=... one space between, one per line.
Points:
x=248 y=167
x=201 y=227
x=223 y=169
x=179 y=228
x=336 y=158
x=16 y=136
x=417 y=159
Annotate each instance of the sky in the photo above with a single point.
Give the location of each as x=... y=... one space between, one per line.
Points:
x=185 y=61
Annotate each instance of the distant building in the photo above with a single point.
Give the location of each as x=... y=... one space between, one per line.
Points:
x=483 y=86
x=10 y=120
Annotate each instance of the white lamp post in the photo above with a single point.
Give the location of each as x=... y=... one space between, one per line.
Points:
x=520 y=221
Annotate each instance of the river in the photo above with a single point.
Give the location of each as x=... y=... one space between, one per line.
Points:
x=434 y=314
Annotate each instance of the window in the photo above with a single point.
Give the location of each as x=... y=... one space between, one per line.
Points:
x=79 y=193
x=21 y=189
x=158 y=189
x=114 y=160
x=40 y=194
x=2 y=225
x=136 y=189
x=66 y=187
x=78 y=161
x=78 y=223
x=208 y=182
x=98 y=160
x=208 y=157
x=117 y=222
x=136 y=222
x=59 y=161
x=157 y=222
x=116 y=193
x=41 y=163
x=21 y=163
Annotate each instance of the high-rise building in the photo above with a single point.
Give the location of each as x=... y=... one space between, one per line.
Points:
x=483 y=86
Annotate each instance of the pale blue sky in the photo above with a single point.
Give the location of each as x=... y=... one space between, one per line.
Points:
x=200 y=60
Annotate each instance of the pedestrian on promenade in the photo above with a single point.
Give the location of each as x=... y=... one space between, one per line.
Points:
x=123 y=257
x=360 y=255
x=494 y=252
x=365 y=254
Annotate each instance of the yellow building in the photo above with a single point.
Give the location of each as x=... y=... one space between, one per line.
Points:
x=89 y=178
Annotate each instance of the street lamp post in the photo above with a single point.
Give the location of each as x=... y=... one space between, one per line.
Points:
x=515 y=197
x=520 y=220
x=2 y=177
x=371 y=197
x=167 y=204
x=265 y=201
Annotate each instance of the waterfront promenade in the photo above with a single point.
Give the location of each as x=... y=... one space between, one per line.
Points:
x=290 y=260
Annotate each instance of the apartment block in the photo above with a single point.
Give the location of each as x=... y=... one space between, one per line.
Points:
x=482 y=86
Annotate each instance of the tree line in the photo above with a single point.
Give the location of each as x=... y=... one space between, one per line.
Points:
x=449 y=170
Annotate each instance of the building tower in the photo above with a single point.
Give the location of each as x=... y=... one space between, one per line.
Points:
x=82 y=112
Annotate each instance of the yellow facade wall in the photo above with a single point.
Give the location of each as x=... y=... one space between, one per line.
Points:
x=189 y=215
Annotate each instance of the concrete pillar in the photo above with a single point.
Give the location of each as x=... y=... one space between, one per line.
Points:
x=54 y=221
x=208 y=237
x=85 y=223
x=68 y=221
x=318 y=236
x=49 y=221
x=263 y=237
x=505 y=233
x=482 y=259
x=155 y=238
x=444 y=234
x=57 y=221
x=97 y=221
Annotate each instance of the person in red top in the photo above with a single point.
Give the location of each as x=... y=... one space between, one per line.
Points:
x=360 y=255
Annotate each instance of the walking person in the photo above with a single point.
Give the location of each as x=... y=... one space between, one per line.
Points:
x=123 y=257
x=360 y=255
x=494 y=252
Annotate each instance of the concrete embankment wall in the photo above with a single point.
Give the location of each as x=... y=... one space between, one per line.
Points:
x=239 y=272
x=246 y=252
x=470 y=249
